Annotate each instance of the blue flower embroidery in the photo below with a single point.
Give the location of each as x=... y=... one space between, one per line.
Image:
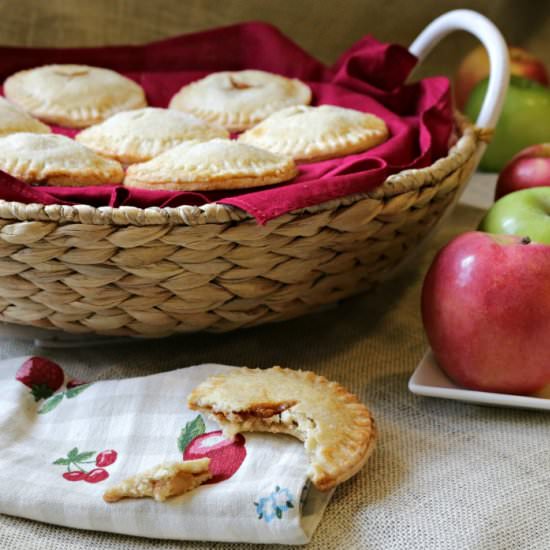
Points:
x=274 y=505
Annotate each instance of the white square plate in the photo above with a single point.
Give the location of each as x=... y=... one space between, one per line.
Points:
x=428 y=379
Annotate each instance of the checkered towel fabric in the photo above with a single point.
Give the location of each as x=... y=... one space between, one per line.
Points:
x=64 y=442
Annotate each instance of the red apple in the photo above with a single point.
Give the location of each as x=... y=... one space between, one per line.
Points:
x=529 y=168
x=486 y=312
x=475 y=67
x=225 y=455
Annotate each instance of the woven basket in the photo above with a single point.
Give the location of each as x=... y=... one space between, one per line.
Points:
x=158 y=271
x=153 y=272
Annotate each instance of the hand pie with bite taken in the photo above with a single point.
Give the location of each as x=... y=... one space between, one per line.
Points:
x=317 y=133
x=337 y=430
x=55 y=160
x=13 y=120
x=141 y=134
x=214 y=164
x=237 y=100
x=162 y=481
x=75 y=96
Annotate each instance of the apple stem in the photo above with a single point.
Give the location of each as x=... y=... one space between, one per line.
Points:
x=525 y=240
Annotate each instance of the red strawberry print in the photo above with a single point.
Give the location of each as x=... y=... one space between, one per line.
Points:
x=74 y=476
x=41 y=375
x=96 y=475
x=226 y=455
x=105 y=458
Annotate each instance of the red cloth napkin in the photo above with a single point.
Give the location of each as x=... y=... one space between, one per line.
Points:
x=370 y=77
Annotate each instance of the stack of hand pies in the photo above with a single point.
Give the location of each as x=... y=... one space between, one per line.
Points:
x=229 y=130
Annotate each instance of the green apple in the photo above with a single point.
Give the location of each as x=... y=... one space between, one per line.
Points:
x=524 y=213
x=525 y=120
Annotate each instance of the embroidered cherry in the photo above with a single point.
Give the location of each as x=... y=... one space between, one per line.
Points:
x=74 y=476
x=226 y=455
x=41 y=375
x=96 y=475
x=105 y=458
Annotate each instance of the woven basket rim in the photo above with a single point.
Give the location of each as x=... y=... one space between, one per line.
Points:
x=215 y=213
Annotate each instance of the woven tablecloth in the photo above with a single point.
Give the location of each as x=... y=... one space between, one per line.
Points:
x=445 y=475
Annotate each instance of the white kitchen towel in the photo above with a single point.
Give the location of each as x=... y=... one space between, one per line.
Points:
x=59 y=452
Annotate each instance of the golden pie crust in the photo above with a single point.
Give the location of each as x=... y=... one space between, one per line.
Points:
x=141 y=134
x=214 y=164
x=13 y=120
x=337 y=430
x=238 y=100
x=55 y=160
x=162 y=481
x=317 y=133
x=75 y=96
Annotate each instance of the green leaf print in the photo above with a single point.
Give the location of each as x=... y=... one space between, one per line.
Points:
x=192 y=429
x=51 y=403
x=77 y=390
x=73 y=453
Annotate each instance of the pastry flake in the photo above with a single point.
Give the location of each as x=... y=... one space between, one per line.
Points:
x=162 y=481
x=13 y=119
x=75 y=96
x=55 y=160
x=214 y=164
x=240 y=99
x=337 y=430
x=317 y=133
x=141 y=134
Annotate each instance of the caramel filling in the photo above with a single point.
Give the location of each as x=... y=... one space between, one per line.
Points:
x=258 y=410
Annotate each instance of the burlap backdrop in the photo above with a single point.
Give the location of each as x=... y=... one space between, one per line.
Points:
x=445 y=475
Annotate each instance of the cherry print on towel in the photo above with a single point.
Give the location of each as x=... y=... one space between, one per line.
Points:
x=226 y=455
x=105 y=458
x=78 y=469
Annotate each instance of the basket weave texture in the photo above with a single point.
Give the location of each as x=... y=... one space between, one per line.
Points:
x=158 y=271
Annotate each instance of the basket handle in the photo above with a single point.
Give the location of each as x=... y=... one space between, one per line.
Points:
x=483 y=29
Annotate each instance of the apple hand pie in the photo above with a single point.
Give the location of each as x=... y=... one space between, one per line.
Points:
x=162 y=481
x=55 y=160
x=317 y=133
x=13 y=119
x=75 y=96
x=214 y=164
x=337 y=430
x=237 y=100
x=141 y=134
